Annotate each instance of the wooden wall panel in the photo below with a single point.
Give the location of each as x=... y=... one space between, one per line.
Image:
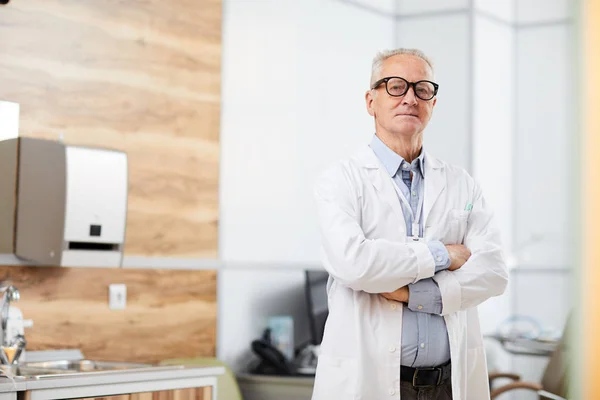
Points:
x=142 y=76
x=169 y=314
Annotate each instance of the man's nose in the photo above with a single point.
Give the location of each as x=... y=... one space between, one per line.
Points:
x=409 y=97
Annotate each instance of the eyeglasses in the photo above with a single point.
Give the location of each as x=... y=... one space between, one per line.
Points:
x=396 y=87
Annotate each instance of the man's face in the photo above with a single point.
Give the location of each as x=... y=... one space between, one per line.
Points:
x=406 y=115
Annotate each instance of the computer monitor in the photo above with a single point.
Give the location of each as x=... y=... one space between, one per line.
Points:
x=316 y=301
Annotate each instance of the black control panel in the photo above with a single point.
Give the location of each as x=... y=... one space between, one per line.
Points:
x=95 y=230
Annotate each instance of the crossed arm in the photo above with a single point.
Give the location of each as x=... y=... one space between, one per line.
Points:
x=385 y=267
x=458 y=255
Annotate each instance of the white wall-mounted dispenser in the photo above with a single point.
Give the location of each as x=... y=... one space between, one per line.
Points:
x=71 y=204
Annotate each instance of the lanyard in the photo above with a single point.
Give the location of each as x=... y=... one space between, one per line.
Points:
x=415 y=218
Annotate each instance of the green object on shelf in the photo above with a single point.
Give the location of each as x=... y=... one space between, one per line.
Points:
x=227 y=387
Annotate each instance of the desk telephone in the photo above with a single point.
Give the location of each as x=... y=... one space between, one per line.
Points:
x=273 y=362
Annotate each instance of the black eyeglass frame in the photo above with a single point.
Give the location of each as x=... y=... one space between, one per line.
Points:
x=408 y=85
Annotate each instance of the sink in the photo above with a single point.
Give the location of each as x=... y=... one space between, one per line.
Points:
x=64 y=368
x=71 y=366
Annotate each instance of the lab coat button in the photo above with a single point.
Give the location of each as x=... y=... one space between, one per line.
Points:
x=392 y=392
x=392 y=349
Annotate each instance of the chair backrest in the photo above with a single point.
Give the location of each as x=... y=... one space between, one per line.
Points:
x=554 y=379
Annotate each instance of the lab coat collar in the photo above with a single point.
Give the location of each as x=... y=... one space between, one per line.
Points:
x=435 y=180
x=390 y=159
x=367 y=158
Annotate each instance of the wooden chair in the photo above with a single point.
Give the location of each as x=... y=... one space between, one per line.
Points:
x=554 y=381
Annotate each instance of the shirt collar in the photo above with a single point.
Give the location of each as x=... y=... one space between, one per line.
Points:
x=392 y=160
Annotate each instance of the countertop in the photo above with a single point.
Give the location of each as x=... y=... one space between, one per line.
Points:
x=97 y=383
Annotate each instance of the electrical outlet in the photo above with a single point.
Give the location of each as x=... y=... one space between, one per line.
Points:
x=117 y=296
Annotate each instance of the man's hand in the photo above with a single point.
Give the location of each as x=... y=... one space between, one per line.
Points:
x=400 y=295
x=459 y=255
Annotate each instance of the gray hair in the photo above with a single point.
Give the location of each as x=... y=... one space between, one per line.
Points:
x=384 y=55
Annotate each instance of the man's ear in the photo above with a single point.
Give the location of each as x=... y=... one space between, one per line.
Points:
x=369 y=98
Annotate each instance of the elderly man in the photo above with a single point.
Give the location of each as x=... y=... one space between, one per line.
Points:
x=411 y=250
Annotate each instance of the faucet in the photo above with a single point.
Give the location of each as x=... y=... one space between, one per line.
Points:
x=9 y=294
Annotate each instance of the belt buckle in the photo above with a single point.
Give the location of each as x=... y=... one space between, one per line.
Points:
x=439 y=380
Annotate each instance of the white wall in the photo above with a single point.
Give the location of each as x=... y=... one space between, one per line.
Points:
x=503 y=10
x=417 y=8
x=493 y=126
x=294 y=78
x=383 y=7
x=493 y=115
x=542 y=11
x=542 y=156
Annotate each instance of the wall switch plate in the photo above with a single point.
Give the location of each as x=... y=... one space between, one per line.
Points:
x=117 y=296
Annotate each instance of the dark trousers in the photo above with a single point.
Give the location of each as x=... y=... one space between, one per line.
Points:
x=442 y=392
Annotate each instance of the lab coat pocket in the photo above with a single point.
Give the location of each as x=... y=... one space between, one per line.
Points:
x=336 y=378
x=457 y=226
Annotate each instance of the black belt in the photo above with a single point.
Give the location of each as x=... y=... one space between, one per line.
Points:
x=421 y=377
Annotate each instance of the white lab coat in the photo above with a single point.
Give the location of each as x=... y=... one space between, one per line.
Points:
x=366 y=251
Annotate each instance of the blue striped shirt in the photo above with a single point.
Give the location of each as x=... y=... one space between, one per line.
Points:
x=424 y=335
